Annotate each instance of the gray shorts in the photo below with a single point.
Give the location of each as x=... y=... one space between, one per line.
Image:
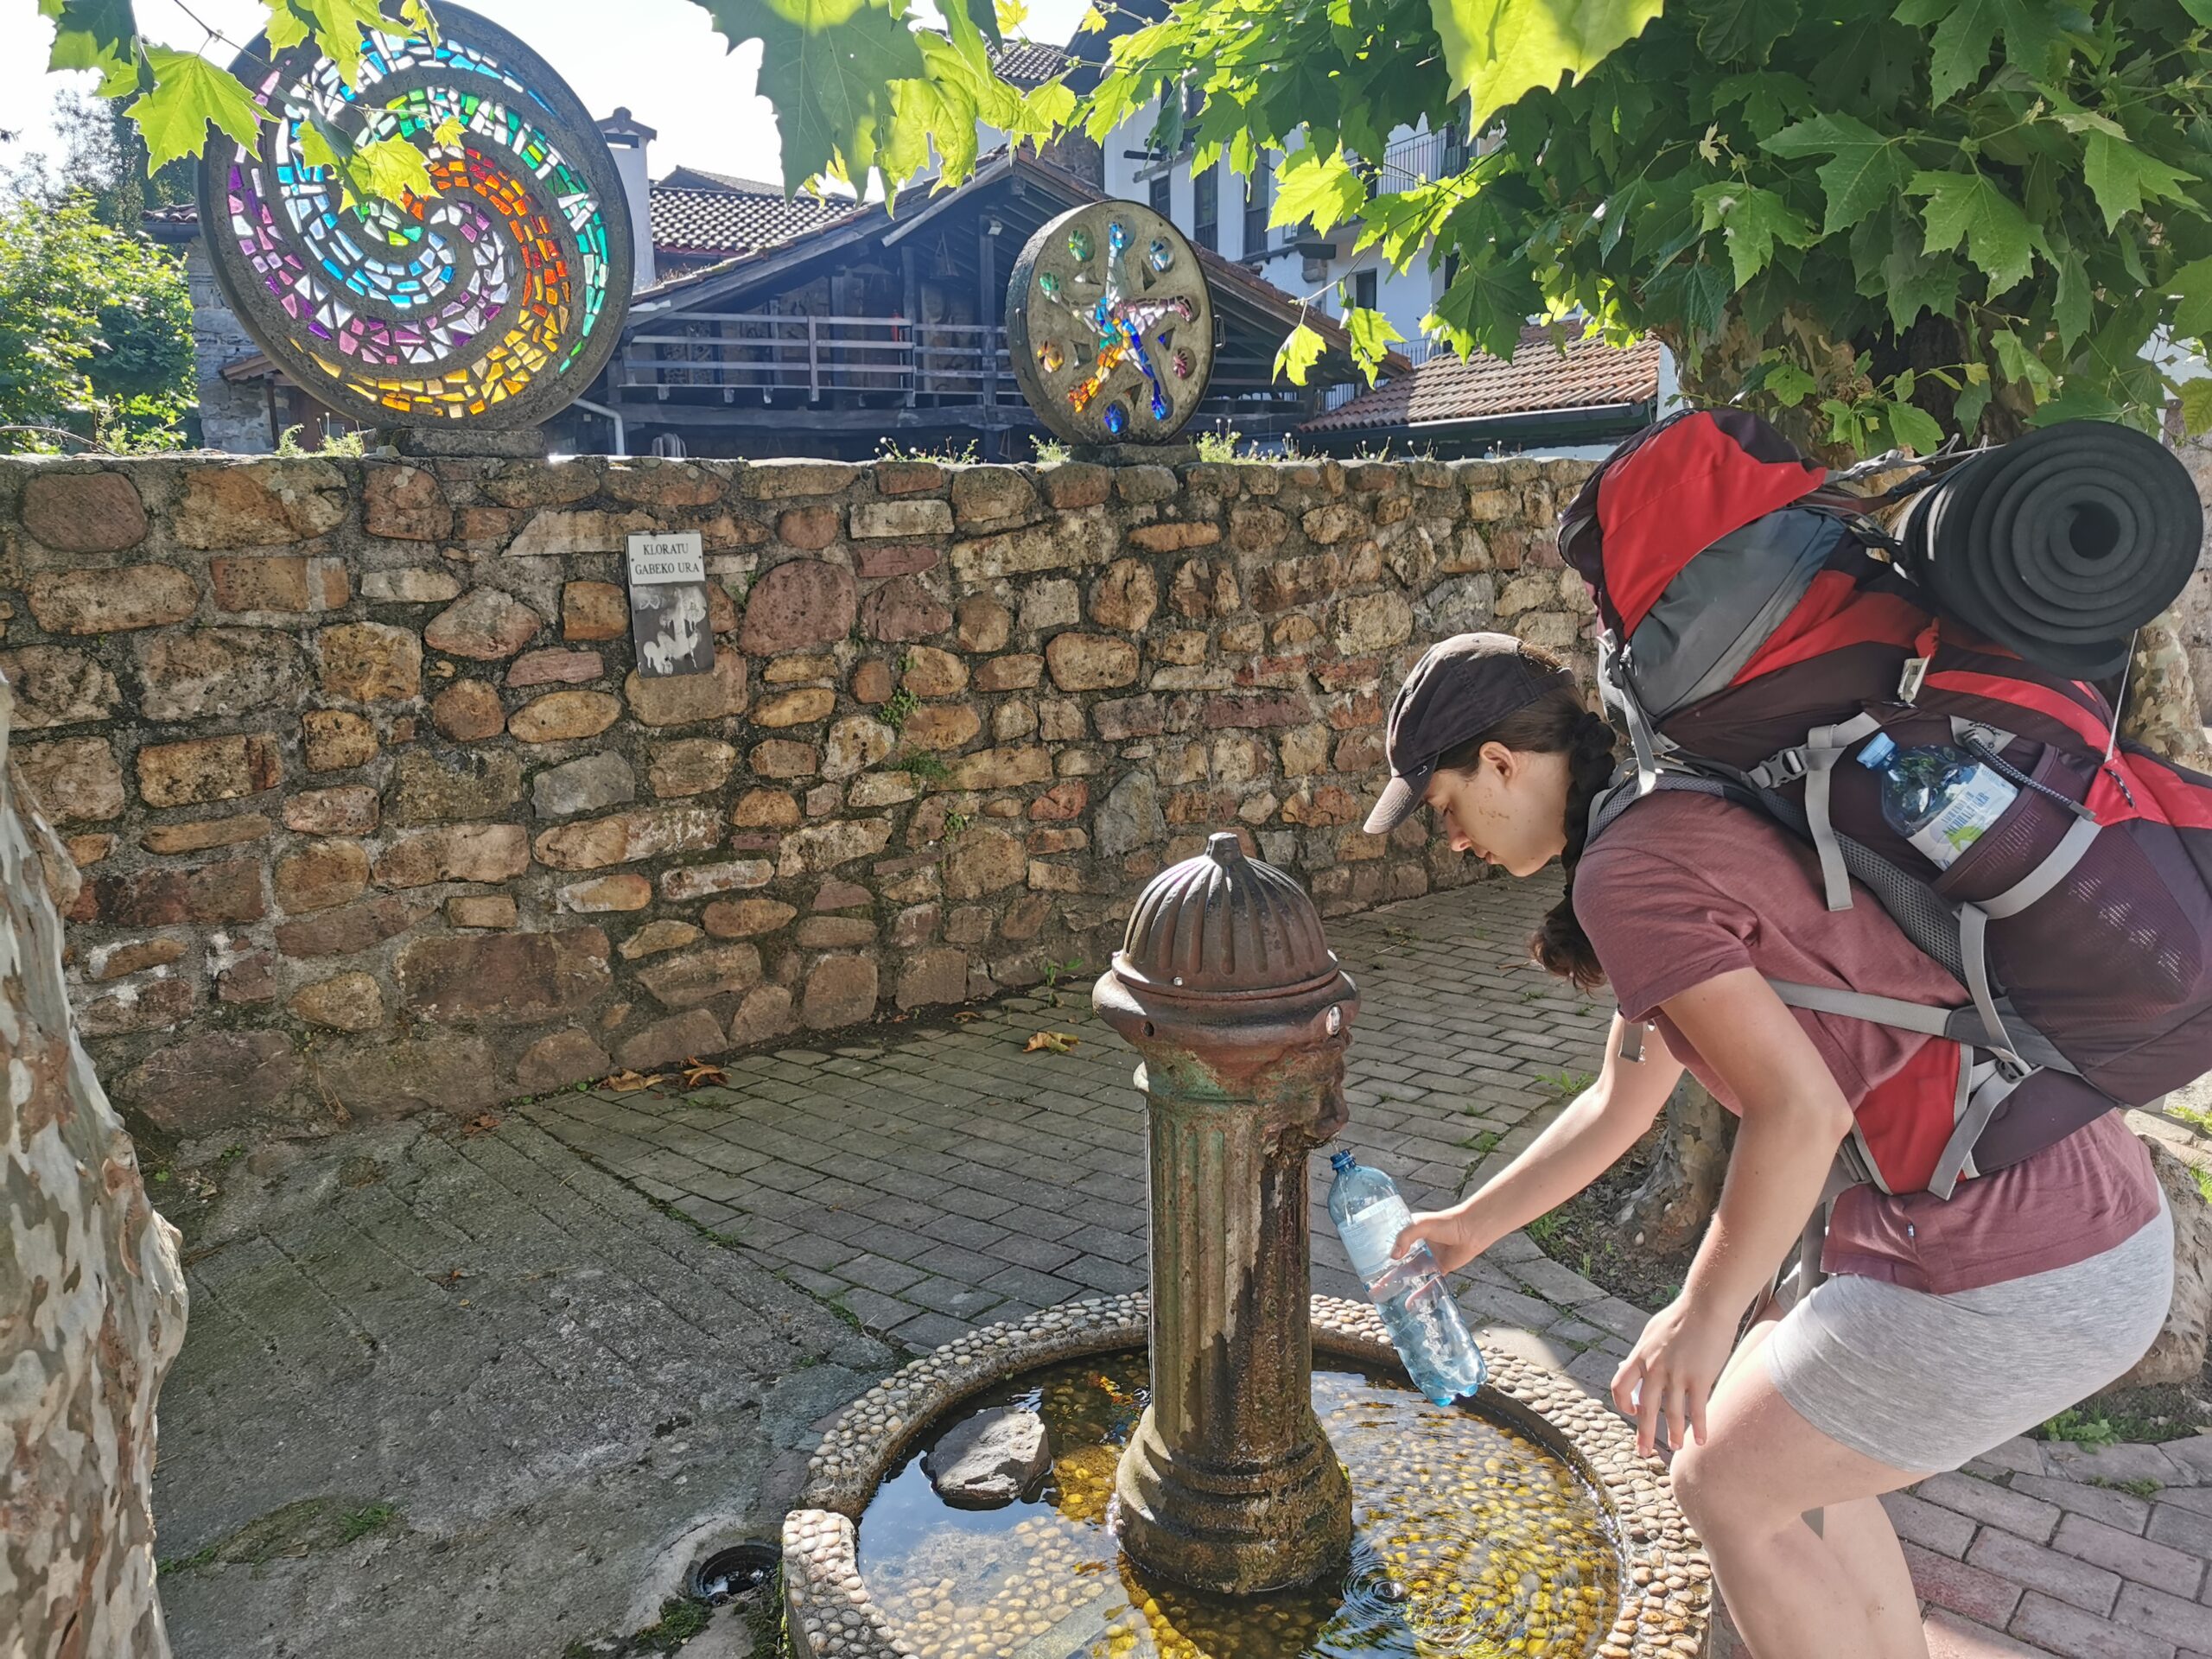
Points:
x=1923 y=1382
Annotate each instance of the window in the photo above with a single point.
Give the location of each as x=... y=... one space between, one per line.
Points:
x=1259 y=198
x=1206 y=208
x=1163 y=185
x=1363 y=290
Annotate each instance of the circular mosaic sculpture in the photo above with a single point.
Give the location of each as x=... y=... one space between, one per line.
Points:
x=1111 y=326
x=494 y=301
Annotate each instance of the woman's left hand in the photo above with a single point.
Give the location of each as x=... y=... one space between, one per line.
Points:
x=1673 y=1368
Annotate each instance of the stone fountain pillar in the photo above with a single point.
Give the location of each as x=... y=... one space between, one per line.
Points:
x=1227 y=987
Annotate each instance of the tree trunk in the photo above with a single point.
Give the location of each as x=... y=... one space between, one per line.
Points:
x=91 y=1295
x=2161 y=711
x=1666 y=1215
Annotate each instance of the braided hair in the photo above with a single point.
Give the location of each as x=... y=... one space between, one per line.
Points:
x=1556 y=723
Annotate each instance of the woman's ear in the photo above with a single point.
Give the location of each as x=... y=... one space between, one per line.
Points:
x=1502 y=760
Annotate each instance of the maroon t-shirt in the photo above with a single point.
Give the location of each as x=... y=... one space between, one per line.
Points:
x=1691 y=886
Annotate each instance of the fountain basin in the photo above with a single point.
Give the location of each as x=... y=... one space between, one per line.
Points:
x=1651 y=1598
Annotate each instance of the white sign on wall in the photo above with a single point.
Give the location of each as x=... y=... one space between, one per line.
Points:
x=668 y=604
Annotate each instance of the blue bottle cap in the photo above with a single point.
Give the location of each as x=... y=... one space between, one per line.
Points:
x=1341 y=1161
x=1879 y=747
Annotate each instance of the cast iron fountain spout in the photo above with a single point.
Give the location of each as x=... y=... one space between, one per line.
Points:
x=1227 y=987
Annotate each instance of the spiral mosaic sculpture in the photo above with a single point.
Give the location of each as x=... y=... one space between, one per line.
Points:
x=494 y=301
x=1110 y=325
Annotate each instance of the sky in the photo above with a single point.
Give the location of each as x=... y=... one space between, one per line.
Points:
x=662 y=61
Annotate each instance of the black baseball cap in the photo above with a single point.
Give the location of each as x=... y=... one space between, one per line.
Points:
x=1459 y=690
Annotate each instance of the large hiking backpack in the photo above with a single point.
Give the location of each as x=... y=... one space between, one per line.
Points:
x=1758 y=628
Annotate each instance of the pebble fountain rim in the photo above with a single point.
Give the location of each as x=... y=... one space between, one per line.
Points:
x=833 y=1616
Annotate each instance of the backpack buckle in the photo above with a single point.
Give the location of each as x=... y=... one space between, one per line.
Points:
x=1783 y=767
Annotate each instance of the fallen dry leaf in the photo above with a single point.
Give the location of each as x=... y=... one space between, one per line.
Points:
x=623 y=1082
x=697 y=1074
x=480 y=1125
x=1058 y=1042
x=965 y=1015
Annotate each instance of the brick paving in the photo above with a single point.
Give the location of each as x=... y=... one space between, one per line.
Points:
x=925 y=1180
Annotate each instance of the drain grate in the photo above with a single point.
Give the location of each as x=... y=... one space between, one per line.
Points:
x=728 y=1573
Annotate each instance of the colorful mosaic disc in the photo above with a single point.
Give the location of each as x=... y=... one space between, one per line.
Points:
x=1110 y=325
x=494 y=301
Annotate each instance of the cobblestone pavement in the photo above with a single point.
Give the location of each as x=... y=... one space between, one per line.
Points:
x=463 y=1395
x=928 y=1179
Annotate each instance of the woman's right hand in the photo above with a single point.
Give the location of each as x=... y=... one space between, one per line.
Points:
x=1454 y=1236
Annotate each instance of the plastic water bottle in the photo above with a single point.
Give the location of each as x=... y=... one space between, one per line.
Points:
x=1416 y=1305
x=1939 y=798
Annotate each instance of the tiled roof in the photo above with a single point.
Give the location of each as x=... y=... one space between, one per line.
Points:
x=1590 y=374
x=1029 y=63
x=700 y=178
x=725 y=222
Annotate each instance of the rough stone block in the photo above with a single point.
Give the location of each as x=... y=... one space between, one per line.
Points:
x=286 y=585
x=170 y=838
x=370 y=662
x=113 y=602
x=335 y=740
x=590 y=785
x=690 y=699
x=74 y=780
x=628 y=837
x=482 y=909
x=697 y=977
x=208 y=769
x=783 y=757
x=346 y=932
x=484 y=623
x=405 y=504
x=522 y=976
x=321 y=877
x=746 y=918
x=932 y=976
x=901 y=519
x=593 y=610
x=83 y=512
x=819 y=847
x=554 y=666
x=55 y=686
x=564 y=716
x=349 y=1002
x=560 y=1061
x=259 y=502
x=1090 y=662
x=666 y=1042
x=228 y=892
x=801 y=603
x=234 y=671
x=840 y=991
x=801 y=707
x=468 y=711
x=606 y=893
x=214 y=1079
x=489 y=853
x=430 y=787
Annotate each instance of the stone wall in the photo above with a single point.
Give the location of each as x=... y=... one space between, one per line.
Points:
x=373 y=812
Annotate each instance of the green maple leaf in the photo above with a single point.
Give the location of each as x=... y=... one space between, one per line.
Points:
x=1913 y=282
x=90 y=34
x=1911 y=424
x=1732 y=31
x=188 y=93
x=1751 y=220
x=1868 y=169
x=1321 y=188
x=1486 y=306
x=389 y=166
x=1788 y=383
x=2193 y=316
x=1301 y=349
x=827 y=67
x=2070 y=303
x=1372 y=336
x=1495 y=50
x=2196 y=405
x=338 y=29
x=1969 y=206
x=287 y=29
x=2199 y=9
x=1965 y=31
x=2120 y=176
x=983 y=15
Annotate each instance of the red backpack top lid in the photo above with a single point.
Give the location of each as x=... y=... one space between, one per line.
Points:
x=1669 y=492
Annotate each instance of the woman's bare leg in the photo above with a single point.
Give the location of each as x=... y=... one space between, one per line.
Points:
x=1794 y=1594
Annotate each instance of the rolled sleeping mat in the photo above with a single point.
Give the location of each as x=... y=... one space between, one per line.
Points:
x=2059 y=545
